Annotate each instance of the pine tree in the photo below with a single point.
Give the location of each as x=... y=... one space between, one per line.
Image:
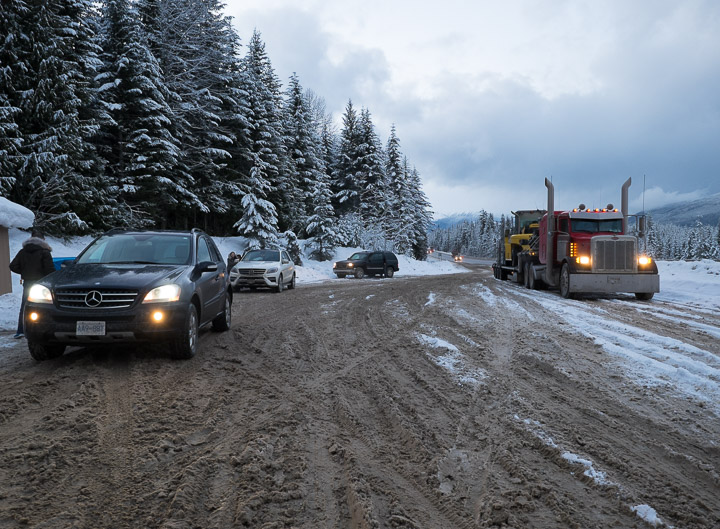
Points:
x=303 y=146
x=196 y=47
x=46 y=77
x=142 y=153
x=259 y=220
x=265 y=131
x=345 y=185
x=421 y=217
x=12 y=65
x=370 y=175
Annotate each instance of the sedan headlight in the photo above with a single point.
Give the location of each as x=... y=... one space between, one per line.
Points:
x=164 y=293
x=39 y=294
x=271 y=270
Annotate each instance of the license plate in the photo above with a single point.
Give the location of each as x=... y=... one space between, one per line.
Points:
x=90 y=328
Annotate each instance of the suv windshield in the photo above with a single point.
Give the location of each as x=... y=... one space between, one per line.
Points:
x=357 y=256
x=140 y=248
x=262 y=255
x=597 y=226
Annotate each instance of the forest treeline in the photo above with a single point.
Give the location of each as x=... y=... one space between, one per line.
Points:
x=480 y=236
x=150 y=113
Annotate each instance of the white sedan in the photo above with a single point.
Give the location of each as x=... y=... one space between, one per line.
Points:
x=264 y=268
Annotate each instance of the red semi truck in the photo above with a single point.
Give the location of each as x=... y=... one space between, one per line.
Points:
x=584 y=251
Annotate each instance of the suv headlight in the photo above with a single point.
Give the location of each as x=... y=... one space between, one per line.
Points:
x=39 y=294
x=271 y=270
x=164 y=293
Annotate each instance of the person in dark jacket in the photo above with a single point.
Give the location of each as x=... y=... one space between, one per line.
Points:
x=32 y=262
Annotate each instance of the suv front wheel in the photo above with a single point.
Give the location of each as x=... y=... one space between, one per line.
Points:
x=185 y=342
x=43 y=351
x=359 y=273
x=223 y=320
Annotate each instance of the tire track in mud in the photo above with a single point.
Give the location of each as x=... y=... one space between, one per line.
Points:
x=635 y=437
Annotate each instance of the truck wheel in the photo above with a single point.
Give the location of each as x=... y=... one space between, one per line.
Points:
x=527 y=276
x=644 y=296
x=359 y=273
x=44 y=351
x=565 y=281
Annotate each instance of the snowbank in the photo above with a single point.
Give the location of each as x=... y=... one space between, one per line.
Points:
x=310 y=272
x=695 y=283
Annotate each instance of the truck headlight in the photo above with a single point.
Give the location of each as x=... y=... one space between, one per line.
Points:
x=583 y=260
x=162 y=294
x=644 y=260
x=39 y=294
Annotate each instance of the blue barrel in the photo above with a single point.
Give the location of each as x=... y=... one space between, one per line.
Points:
x=58 y=261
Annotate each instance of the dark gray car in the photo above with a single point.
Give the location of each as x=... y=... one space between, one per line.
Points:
x=361 y=264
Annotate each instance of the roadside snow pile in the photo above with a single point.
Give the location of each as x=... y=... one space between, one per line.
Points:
x=695 y=283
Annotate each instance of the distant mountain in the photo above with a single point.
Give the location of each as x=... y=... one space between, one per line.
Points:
x=455 y=218
x=706 y=210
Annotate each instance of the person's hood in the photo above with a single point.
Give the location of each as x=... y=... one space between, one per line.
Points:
x=33 y=244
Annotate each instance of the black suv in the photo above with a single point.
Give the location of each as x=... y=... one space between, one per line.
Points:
x=131 y=286
x=360 y=264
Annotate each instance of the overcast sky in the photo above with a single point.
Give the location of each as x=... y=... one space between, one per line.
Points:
x=491 y=97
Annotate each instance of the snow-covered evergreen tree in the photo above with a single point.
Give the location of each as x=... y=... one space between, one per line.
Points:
x=265 y=130
x=345 y=185
x=421 y=217
x=304 y=147
x=196 y=47
x=45 y=118
x=258 y=223
x=142 y=153
x=370 y=175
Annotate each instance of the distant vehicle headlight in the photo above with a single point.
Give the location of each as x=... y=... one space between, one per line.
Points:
x=162 y=294
x=40 y=294
x=334 y=265
x=272 y=270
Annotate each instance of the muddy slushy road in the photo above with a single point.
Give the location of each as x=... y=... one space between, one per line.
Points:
x=430 y=402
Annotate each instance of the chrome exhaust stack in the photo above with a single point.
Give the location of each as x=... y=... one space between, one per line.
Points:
x=624 y=204
x=549 y=253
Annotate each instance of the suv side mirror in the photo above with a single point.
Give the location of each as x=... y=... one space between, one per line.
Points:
x=207 y=266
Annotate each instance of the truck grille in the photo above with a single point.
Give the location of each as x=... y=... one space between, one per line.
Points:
x=614 y=254
x=99 y=298
x=252 y=272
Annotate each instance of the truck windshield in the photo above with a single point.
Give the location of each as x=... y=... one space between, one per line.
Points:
x=596 y=225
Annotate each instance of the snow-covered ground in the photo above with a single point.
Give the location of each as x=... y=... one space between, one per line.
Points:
x=310 y=272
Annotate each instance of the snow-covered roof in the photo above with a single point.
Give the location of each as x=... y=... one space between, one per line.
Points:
x=14 y=215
